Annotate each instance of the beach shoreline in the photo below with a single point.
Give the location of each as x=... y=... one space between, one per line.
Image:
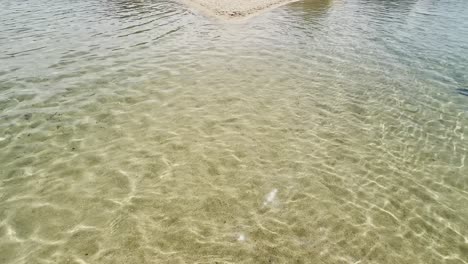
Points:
x=235 y=10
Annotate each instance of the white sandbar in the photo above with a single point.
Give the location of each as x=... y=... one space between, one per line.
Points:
x=236 y=9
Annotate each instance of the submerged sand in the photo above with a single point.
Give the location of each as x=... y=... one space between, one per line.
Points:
x=236 y=9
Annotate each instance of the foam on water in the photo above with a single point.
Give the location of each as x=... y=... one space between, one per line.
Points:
x=321 y=132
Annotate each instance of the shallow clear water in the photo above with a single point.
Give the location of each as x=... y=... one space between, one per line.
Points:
x=320 y=132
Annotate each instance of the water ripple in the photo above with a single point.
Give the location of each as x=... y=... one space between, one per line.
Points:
x=321 y=132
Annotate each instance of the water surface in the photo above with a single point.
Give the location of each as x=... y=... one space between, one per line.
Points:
x=326 y=131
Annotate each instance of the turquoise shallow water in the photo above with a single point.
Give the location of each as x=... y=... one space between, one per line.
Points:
x=321 y=132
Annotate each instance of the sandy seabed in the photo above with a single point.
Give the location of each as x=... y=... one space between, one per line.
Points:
x=236 y=9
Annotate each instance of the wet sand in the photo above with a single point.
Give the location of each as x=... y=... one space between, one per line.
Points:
x=236 y=9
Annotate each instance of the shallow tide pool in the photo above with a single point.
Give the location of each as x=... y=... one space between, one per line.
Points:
x=324 y=131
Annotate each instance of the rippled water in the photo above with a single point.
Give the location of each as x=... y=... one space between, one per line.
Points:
x=321 y=132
